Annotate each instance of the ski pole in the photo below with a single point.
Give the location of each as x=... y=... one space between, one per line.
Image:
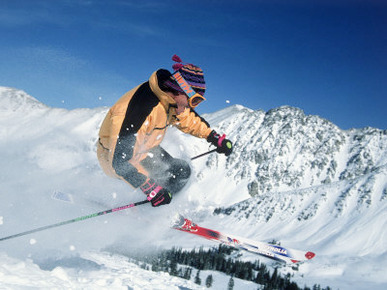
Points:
x=203 y=154
x=75 y=220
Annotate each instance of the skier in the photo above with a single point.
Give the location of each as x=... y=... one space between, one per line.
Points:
x=131 y=133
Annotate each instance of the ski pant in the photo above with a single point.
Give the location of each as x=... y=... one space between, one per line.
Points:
x=171 y=173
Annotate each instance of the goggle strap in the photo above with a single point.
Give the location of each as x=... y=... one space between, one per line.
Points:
x=183 y=84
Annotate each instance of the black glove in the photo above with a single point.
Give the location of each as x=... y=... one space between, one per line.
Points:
x=156 y=194
x=222 y=144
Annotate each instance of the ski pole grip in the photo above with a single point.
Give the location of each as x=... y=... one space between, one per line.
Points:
x=220 y=140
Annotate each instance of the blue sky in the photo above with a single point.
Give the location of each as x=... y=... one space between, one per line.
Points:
x=327 y=57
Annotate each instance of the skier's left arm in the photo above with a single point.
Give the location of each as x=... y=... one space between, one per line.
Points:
x=190 y=122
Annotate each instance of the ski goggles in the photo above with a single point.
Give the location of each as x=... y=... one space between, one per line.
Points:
x=194 y=98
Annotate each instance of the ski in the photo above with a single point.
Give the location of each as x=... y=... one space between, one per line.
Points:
x=267 y=250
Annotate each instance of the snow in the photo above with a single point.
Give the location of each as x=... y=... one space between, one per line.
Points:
x=101 y=272
x=50 y=174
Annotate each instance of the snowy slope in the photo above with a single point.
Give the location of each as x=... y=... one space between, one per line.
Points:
x=95 y=271
x=295 y=178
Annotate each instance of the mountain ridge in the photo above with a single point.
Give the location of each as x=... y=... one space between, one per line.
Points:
x=14 y=100
x=284 y=143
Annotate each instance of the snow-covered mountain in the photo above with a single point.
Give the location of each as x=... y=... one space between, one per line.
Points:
x=285 y=149
x=292 y=177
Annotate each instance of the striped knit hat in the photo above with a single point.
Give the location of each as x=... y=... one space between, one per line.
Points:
x=191 y=73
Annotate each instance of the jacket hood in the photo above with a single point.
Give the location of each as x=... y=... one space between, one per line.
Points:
x=154 y=81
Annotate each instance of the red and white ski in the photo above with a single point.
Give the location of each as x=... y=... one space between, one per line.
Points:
x=274 y=252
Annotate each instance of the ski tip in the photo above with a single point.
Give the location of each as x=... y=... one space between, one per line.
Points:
x=177 y=221
x=310 y=255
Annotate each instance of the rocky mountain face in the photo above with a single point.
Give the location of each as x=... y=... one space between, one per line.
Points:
x=284 y=150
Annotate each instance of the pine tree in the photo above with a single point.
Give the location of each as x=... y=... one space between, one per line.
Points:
x=292 y=286
x=197 y=278
x=187 y=273
x=230 y=285
x=274 y=278
x=209 y=281
x=173 y=268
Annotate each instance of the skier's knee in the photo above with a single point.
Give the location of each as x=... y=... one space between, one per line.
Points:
x=183 y=171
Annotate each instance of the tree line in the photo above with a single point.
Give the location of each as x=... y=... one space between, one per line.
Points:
x=181 y=263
